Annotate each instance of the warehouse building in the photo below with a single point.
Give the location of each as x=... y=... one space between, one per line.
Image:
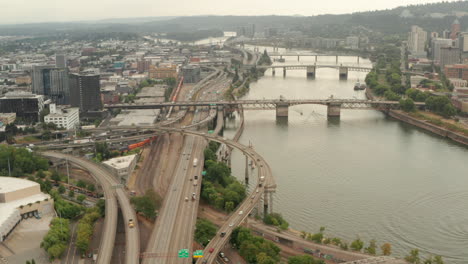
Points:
x=20 y=199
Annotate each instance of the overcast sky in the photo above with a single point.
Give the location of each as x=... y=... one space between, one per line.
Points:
x=26 y=11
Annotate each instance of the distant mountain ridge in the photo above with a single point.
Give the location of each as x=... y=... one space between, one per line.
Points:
x=431 y=17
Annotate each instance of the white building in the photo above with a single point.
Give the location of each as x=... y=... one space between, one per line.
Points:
x=352 y=42
x=67 y=118
x=417 y=40
x=122 y=166
x=20 y=199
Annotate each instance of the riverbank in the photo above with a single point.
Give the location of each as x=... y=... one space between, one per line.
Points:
x=423 y=123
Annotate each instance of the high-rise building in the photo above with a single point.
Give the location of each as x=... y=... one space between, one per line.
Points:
x=449 y=55
x=51 y=82
x=191 y=73
x=85 y=92
x=437 y=44
x=60 y=61
x=455 y=29
x=417 y=40
x=143 y=66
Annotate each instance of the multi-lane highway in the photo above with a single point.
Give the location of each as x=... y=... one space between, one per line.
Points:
x=109 y=184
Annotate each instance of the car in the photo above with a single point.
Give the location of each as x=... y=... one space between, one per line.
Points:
x=226 y=259
x=256 y=191
x=221 y=254
x=231 y=224
x=222 y=234
x=195 y=177
x=241 y=212
x=186 y=199
x=211 y=250
x=131 y=224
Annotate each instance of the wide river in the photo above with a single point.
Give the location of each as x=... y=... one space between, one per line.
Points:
x=366 y=175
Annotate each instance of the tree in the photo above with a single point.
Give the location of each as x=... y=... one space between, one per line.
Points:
x=91 y=187
x=263 y=258
x=357 y=245
x=386 y=249
x=229 y=206
x=81 y=198
x=372 y=248
x=204 y=231
x=209 y=154
x=55 y=176
x=61 y=189
x=145 y=204
x=81 y=184
x=71 y=193
x=392 y=96
x=40 y=174
x=448 y=111
x=304 y=259
x=407 y=105
x=413 y=257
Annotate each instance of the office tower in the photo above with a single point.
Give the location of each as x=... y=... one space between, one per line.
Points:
x=51 y=82
x=85 y=92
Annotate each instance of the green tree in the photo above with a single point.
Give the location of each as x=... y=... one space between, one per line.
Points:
x=304 y=259
x=209 y=154
x=91 y=187
x=71 y=193
x=145 y=204
x=81 y=198
x=357 y=245
x=204 y=231
x=40 y=174
x=81 y=184
x=372 y=248
x=55 y=176
x=407 y=105
x=448 y=111
x=229 y=206
x=263 y=258
x=392 y=96
x=61 y=189
x=413 y=257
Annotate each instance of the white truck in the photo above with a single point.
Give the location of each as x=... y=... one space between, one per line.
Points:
x=195 y=162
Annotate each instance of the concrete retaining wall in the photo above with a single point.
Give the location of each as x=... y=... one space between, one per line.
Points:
x=430 y=127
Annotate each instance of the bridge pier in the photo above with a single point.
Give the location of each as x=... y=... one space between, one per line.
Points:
x=265 y=202
x=311 y=72
x=273 y=72
x=343 y=73
x=284 y=72
x=282 y=110
x=281 y=57
x=357 y=59
x=246 y=169
x=271 y=202
x=336 y=59
x=315 y=58
x=297 y=57
x=333 y=109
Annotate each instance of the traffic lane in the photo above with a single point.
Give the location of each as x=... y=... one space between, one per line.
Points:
x=132 y=234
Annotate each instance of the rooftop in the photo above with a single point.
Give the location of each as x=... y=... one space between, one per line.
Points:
x=120 y=162
x=63 y=112
x=11 y=184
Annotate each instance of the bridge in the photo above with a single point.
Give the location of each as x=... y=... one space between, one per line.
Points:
x=305 y=54
x=281 y=106
x=311 y=69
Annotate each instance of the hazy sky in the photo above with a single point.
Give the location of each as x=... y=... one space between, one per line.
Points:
x=26 y=11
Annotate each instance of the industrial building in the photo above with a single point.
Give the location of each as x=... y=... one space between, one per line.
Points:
x=20 y=199
x=122 y=167
x=68 y=118
x=26 y=105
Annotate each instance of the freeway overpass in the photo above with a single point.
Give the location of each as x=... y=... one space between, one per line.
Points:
x=281 y=106
x=108 y=183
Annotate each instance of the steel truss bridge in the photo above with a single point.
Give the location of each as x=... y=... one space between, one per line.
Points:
x=269 y=104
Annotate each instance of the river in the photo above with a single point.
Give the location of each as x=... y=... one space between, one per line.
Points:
x=366 y=175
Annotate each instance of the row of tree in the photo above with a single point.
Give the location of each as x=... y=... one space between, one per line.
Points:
x=414 y=257
x=356 y=245
x=56 y=240
x=86 y=228
x=304 y=259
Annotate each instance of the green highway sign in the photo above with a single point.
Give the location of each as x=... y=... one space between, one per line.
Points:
x=198 y=254
x=183 y=253
x=203 y=173
x=210 y=131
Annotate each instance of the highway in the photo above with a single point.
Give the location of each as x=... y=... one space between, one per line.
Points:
x=109 y=184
